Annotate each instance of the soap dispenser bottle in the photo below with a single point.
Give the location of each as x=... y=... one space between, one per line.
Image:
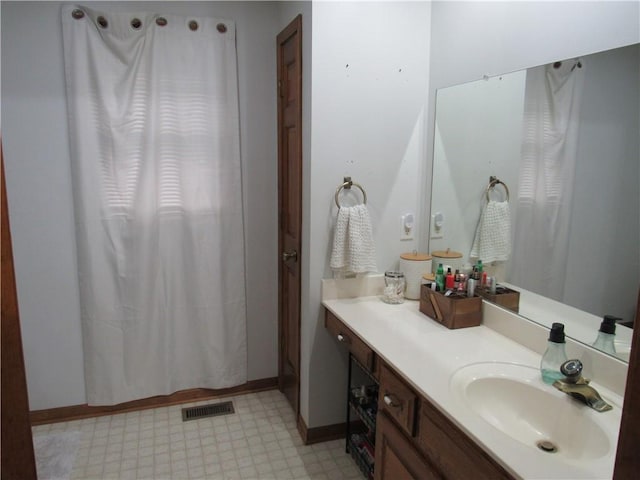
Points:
x=554 y=356
x=606 y=335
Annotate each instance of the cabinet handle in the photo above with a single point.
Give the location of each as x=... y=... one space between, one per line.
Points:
x=389 y=400
x=341 y=338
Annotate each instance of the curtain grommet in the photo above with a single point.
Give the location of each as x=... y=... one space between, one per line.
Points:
x=77 y=14
x=136 y=23
x=102 y=22
x=221 y=27
x=193 y=25
x=161 y=21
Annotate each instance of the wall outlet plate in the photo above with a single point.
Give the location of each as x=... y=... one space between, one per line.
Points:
x=407 y=226
x=437 y=226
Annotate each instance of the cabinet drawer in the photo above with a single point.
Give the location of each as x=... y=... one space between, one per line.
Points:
x=343 y=334
x=451 y=450
x=397 y=399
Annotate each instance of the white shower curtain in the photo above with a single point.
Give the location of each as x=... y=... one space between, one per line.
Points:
x=547 y=170
x=154 y=136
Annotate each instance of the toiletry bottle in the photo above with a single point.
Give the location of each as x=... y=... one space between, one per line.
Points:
x=479 y=266
x=472 y=283
x=491 y=285
x=449 y=280
x=440 y=278
x=475 y=274
x=606 y=335
x=456 y=280
x=554 y=356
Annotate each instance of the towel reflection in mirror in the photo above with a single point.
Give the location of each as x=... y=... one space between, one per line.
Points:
x=492 y=241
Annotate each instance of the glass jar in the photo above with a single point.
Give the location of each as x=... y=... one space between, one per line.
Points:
x=394 y=287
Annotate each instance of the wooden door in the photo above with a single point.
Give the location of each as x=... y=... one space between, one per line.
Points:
x=289 y=207
x=18 y=461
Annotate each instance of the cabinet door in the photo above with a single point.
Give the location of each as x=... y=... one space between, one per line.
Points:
x=396 y=457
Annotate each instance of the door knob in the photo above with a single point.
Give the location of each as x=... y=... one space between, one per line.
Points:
x=289 y=255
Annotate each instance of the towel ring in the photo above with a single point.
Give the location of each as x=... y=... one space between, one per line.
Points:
x=493 y=181
x=348 y=184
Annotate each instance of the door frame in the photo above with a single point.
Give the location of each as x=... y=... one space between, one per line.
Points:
x=18 y=460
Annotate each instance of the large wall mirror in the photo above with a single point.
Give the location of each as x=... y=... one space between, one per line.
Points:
x=565 y=140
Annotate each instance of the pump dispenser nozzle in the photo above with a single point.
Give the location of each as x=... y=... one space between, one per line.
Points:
x=608 y=324
x=556 y=334
x=606 y=335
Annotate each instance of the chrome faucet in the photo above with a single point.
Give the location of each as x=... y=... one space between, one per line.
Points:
x=578 y=387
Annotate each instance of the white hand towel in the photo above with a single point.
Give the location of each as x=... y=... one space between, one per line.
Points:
x=493 y=235
x=353 y=247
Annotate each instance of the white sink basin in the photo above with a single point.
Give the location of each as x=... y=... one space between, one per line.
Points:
x=514 y=400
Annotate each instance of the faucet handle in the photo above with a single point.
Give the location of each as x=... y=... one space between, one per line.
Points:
x=572 y=370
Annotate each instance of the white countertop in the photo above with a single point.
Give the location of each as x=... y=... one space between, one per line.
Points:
x=427 y=354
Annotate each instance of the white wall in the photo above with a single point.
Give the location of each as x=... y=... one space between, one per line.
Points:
x=370 y=70
x=35 y=143
x=37 y=167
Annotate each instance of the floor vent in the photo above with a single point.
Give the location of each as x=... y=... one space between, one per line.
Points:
x=213 y=410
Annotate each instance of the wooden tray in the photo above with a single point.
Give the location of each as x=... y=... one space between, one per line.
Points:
x=452 y=311
x=506 y=297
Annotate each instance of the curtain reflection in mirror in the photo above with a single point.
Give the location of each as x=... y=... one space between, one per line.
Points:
x=547 y=171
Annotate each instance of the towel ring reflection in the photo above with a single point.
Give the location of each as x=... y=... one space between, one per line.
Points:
x=348 y=184
x=493 y=181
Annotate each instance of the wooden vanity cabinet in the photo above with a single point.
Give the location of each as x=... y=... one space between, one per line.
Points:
x=415 y=440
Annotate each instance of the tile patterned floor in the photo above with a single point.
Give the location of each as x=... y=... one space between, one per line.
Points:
x=260 y=441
